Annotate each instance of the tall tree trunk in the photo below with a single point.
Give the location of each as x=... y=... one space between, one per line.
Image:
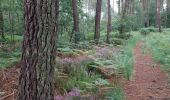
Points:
x=109 y=27
x=158 y=15
x=97 y=21
x=122 y=2
x=38 y=61
x=76 y=20
x=113 y=6
x=119 y=7
x=168 y=13
x=1 y=22
x=122 y=26
x=132 y=7
x=146 y=5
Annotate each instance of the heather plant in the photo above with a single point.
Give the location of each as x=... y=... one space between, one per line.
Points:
x=72 y=95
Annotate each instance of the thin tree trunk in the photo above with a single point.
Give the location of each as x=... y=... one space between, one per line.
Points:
x=76 y=20
x=158 y=15
x=145 y=5
x=119 y=6
x=113 y=6
x=37 y=70
x=109 y=27
x=168 y=13
x=97 y=21
x=1 y=22
x=122 y=26
x=132 y=7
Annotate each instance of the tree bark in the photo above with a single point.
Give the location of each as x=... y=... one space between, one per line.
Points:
x=119 y=7
x=168 y=13
x=113 y=6
x=76 y=20
x=37 y=70
x=109 y=27
x=122 y=26
x=158 y=15
x=1 y=22
x=97 y=21
x=145 y=5
x=131 y=7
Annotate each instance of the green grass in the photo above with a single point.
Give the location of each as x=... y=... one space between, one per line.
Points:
x=82 y=80
x=9 y=58
x=125 y=59
x=115 y=94
x=89 y=83
x=17 y=38
x=159 y=43
x=10 y=55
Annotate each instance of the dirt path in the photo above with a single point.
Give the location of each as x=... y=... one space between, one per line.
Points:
x=149 y=82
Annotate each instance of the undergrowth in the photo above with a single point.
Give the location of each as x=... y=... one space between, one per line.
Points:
x=160 y=47
x=10 y=39
x=125 y=59
x=10 y=51
x=88 y=77
x=9 y=58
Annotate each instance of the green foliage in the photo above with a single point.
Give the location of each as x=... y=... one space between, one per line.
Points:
x=115 y=94
x=83 y=81
x=9 y=39
x=13 y=16
x=168 y=20
x=146 y=31
x=152 y=12
x=124 y=59
x=10 y=51
x=152 y=29
x=130 y=23
x=159 y=44
x=66 y=49
x=80 y=79
x=89 y=83
x=9 y=58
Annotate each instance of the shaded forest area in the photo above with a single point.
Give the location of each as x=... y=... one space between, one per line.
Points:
x=84 y=50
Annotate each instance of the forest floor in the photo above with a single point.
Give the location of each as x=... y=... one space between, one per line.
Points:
x=149 y=82
x=9 y=76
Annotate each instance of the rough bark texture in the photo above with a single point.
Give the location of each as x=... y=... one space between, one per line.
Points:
x=109 y=27
x=37 y=69
x=76 y=20
x=1 y=22
x=97 y=21
x=159 y=15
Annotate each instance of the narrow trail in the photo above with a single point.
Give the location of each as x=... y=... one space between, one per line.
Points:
x=149 y=82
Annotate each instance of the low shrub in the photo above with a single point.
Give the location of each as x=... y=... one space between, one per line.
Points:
x=144 y=31
x=9 y=58
x=148 y=30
